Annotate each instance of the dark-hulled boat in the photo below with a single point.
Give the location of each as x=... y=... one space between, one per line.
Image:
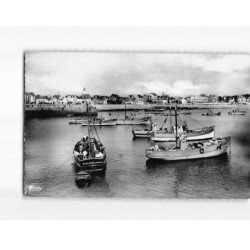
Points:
x=89 y=155
x=211 y=113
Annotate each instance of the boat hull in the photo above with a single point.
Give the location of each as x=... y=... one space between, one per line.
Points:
x=100 y=123
x=237 y=113
x=92 y=165
x=188 y=154
x=190 y=137
x=133 y=122
x=141 y=133
x=75 y=121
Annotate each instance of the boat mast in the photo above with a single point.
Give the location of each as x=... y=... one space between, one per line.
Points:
x=88 y=126
x=125 y=111
x=176 y=132
x=170 y=120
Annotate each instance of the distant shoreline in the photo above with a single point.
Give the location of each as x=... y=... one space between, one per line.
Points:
x=49 y=110
x=121 y=107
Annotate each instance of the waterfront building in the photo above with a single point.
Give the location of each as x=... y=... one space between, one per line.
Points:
x=136 y=99
x=213 y=98
x=199 y=99
x=242 y=99
x=29 y=98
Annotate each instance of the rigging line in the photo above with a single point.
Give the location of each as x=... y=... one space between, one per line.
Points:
x=96 y=133
x=193 y=120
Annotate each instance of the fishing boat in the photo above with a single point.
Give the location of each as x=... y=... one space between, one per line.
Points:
x=211 y=113
x=183 y=150
x=89 y=155
x=100 y=122
x=144 y=133
x=168 y=134
x=237 y=112
x=186 y=151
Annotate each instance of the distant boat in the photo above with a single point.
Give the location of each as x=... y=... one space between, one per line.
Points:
x=100 y=122
x=237 y=112
x=211 y=113
x=187 y=151
x=75 y=121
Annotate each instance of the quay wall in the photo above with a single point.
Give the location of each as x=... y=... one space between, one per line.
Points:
x=49 y=110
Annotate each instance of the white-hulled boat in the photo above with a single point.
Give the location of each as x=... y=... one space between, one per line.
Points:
x=76 y=121
x=188 y=151
x=237 y=112
x=168 y=134
x=144 y=133
x=205 y=133
x=183 y=150
x=100 y=122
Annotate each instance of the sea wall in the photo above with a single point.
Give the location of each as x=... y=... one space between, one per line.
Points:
x=49 y=110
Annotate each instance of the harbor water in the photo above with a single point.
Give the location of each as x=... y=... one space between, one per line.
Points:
x=49 y=169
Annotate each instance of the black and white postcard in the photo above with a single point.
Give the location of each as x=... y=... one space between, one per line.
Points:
x=136 y=125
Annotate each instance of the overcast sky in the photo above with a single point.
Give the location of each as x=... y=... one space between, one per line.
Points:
x=136 y=73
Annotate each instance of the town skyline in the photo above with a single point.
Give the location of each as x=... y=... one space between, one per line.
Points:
x=136 y=73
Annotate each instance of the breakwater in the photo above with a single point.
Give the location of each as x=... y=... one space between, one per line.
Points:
x=48 y=110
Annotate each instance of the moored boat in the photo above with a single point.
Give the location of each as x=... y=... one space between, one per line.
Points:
x=188 y=151
x=89 y=155
x=204 y=133
x=237 y=112
x=184 y=150
x=75 y=121
x=211 y=113
x=100 y=122
x=144 y=133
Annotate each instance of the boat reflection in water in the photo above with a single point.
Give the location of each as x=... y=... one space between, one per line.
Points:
x=194 y=174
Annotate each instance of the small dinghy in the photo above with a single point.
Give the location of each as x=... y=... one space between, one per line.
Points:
x=237 y=112
x=211 y=113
